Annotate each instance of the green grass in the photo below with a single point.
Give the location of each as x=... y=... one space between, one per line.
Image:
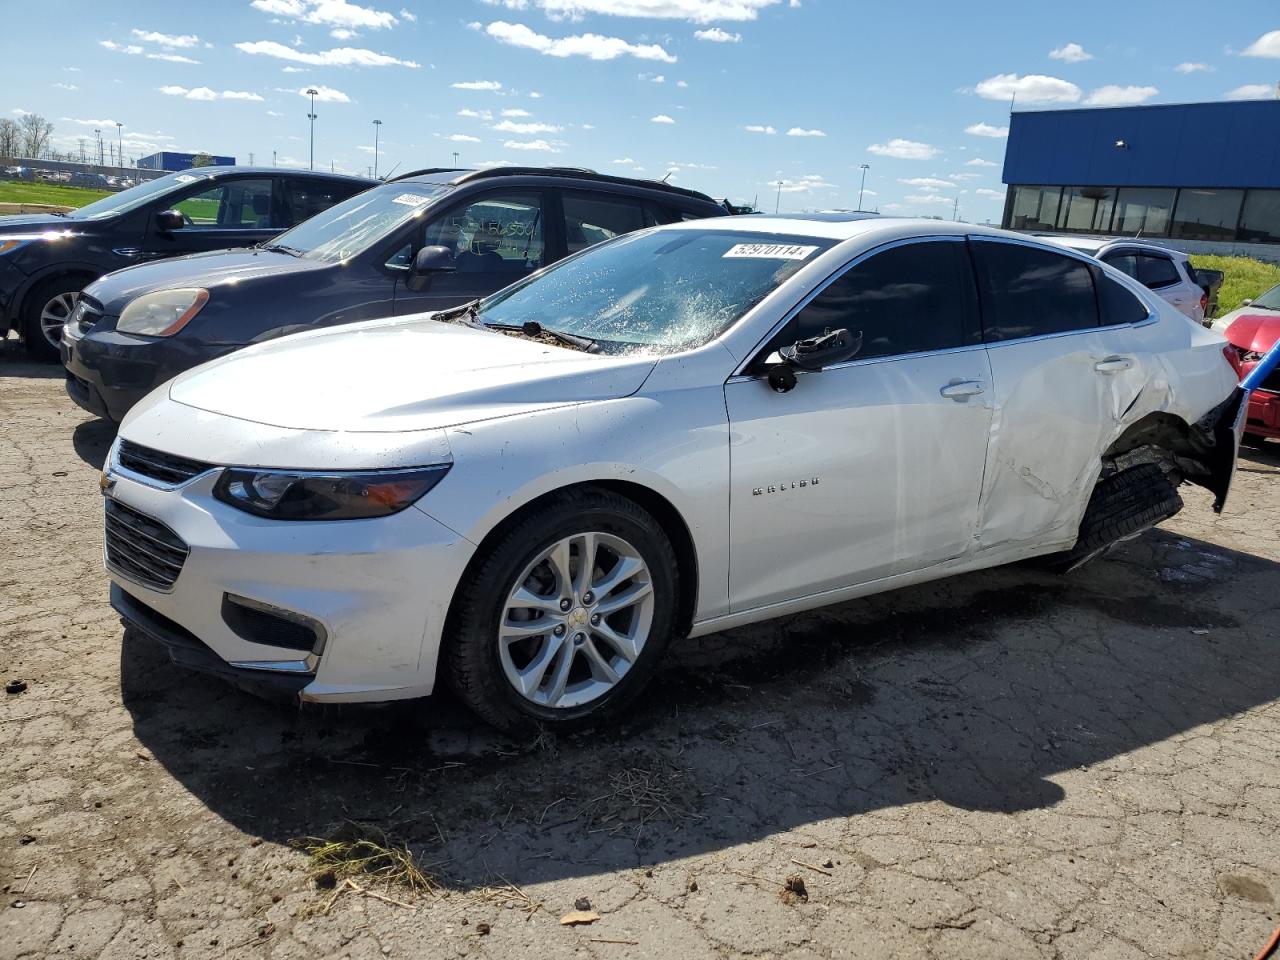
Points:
x=53 y=193
x=1245 y=278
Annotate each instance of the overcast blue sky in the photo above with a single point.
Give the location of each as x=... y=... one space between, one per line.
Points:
x=731 y=95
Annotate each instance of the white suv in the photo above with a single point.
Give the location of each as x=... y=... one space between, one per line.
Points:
x=1166 y=272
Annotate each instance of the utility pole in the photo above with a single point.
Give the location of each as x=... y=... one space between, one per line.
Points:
x=955 y=210
x=251 y=158
x=376 y=125
x=82 y=155
x=273 y=158
x=865 y=167
x=778 y=200
x=311 y=92
x=455 y=158
x=98 y=136
x=120 y=144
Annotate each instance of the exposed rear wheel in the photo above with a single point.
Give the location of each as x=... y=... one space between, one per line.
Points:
x=564 y=619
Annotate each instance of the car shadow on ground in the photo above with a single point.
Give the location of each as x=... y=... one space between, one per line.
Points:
x=974 y=691
x=16 y=362
x=92 y=439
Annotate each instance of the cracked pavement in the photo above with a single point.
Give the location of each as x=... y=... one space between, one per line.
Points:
x=1005 y=764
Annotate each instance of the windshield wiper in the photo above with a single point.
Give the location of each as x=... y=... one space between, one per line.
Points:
x=281 y=248
x=467 y=313
x=533 y=330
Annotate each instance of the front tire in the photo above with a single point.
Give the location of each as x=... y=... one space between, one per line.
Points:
x=48 y=307
x=562 y=621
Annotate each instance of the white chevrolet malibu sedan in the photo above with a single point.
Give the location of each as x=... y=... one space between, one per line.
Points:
x=672 y=433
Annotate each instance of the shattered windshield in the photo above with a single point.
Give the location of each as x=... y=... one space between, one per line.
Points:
x=663 y=290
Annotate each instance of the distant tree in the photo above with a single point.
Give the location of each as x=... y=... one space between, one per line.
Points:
x=202 y=160
x=10 y=137
x=36 y=131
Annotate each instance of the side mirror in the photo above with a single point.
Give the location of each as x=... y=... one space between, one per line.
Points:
x=813 y=354
x=169 y=220
x=429 y=262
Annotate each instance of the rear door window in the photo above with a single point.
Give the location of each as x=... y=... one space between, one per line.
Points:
x=1116 y=304
x=233 y=205
x=306 y=197
x=1029 y=292
x=1157 y=272
x=500 y=233
x=590 y=218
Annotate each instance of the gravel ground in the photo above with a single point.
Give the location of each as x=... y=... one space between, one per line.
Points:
x=1004 y=764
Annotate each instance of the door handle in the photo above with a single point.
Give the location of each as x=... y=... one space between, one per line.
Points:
x=963 y=389
x=1113 y=364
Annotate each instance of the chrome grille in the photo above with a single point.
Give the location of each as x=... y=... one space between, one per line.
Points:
x=165 y=467
x=142 y=549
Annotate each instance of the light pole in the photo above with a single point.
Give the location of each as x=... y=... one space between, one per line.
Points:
x=455 y=158
x=311 y=92
x=865 y=167
x=119 y=143
x=273 y=158
x=955 y=210
x=377 y=124
x=778 y=200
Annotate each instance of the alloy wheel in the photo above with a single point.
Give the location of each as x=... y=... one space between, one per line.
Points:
x=55 y=314
x=576 y=620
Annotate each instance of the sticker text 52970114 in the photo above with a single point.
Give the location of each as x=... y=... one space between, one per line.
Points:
x=769 y=251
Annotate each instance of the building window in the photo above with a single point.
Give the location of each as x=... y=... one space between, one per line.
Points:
x=1141 y=210
x=1035 y=208
x=1207 y=214
x=1260 y=221
x=1087 y=209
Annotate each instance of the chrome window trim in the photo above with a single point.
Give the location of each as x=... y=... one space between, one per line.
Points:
x=740 y=371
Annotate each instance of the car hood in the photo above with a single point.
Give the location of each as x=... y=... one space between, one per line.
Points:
x=34 y=224
x=402 y=374
x=1253 y=331
x=208 y=270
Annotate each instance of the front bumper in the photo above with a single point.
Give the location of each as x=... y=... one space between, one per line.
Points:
x=108 y=372
x=379 y=589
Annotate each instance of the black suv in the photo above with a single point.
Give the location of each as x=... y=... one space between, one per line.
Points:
x=47 y=259
x=425 y=241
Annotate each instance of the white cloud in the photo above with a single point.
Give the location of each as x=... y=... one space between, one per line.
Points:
x=1116 y=96
x=979 y=162
x=1252 y=91
x=929 y=200
x=588 y=126
x=759 y=128
x=1267 y=45
x=986 y=130
x=802 y=132
x=511 y=126
x=516 y=112
x=965 y=176
x=661 y=118
x=77 y=120
x=182 y=41
x=805 y=184
x=716 y=35
x=1070 y=53
x=904 y=149
x=66 y=86
x=694 y=11
x=475 y=114
x=534 y=95
x=682 y=84
x=476 y=85
x=171 y=58
x=1033 y=88
x=986 y=192
x=406 y=15
x=462 y=138
x=204 y=93
x=342 y=33
x=1193 y=68
x=328 y=13
x=927 y=183
x=274 y=113
x=625 y=161
x=591 y=45
x=651 y=77
x=132 y=49
x=530 y=145
x=323 y=94
x=293 y=69
x=337 y=57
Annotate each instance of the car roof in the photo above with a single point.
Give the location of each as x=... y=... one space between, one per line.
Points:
x=459 y=176
x=1095 y=245
x=217 y=172
x=845 y=226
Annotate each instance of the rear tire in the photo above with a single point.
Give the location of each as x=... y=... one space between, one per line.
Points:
x=1122 y=505
x=594 y=653
x=47 y=307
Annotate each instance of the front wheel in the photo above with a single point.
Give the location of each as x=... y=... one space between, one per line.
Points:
x=563 y=620
x=48 y=308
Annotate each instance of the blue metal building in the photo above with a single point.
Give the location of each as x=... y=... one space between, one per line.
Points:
x=1195 y=171
x=167 y=160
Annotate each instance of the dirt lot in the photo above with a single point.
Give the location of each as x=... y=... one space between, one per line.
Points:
x=1002 y=765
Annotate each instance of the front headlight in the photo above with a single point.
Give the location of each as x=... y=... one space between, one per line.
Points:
x=163 y=313
x=300 y=495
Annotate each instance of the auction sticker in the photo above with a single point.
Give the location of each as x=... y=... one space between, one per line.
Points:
x=769 y=251
x=185 y=178
x=411 y=199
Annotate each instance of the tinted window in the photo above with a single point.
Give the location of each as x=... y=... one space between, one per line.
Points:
x=1124 y=262
x=589 y=219
x=499 y=233
x=1260 y=221
x=1087 y=209
x=1157 y=272
x=232 y=204
x=306 y=198
x=1207 y=214
x=1035 y=208
x=1141 y=210
x=1117 y=304
x=1028 y=292
x=907 y=299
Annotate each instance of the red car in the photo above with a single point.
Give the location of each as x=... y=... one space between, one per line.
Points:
x=1252 y=330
